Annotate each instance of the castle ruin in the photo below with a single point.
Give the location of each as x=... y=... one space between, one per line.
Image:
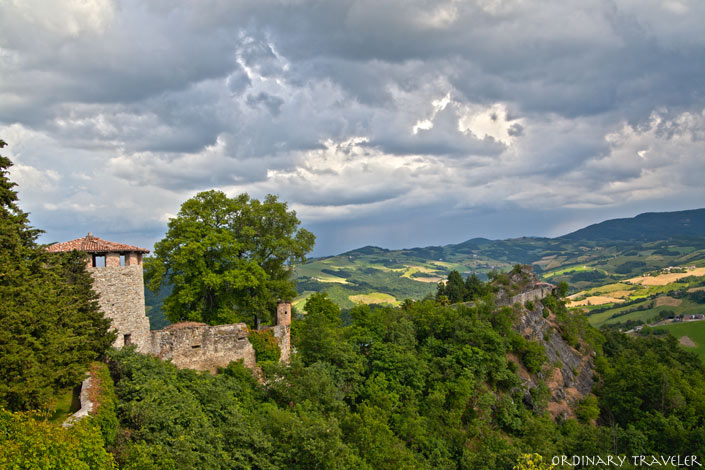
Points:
x=118 y=280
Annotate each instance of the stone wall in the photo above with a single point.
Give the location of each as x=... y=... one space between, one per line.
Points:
x=191 y=345
x=282 y=333
x=282 y=330
x=537 y=293
x=121 y=297
x=86 y=404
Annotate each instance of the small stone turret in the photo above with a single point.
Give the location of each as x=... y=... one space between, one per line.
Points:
x=117 y=279
x=282 y=330
x=284 y=313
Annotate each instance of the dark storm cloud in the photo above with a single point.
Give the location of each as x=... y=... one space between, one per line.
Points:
x=355 y=110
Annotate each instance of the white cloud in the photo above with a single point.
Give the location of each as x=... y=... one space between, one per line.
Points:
x=491 y=122
x=438 y=106
x=63 y=17
x=34 y=179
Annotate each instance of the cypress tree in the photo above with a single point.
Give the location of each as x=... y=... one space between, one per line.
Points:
x=52 y=326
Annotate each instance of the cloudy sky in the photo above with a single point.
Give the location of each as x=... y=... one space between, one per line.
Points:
x=396 y=123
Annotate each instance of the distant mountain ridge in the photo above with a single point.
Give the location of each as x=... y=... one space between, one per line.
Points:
x=608 y=251
x=650 y=226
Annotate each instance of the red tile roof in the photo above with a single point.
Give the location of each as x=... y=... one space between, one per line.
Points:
x=91 y=244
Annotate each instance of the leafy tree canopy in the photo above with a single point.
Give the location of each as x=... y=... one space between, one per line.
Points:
x=27 y=442
x=228 y=259
x=455 y=290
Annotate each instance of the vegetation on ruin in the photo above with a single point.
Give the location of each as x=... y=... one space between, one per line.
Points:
x=265 y=345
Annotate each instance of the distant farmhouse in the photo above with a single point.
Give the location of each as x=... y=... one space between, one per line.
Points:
x=118 y=280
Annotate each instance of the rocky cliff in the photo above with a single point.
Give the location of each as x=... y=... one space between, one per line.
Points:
x=568 y=371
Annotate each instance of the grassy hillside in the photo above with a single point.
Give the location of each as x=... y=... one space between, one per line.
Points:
x=695 y=331
x=643 y=300
x=414 y=273
x=376 y=275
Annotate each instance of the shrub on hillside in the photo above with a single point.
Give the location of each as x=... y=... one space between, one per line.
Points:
x=28 y=442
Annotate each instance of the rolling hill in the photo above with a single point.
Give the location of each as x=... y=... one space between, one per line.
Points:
x=650 y=226
x=599 y=254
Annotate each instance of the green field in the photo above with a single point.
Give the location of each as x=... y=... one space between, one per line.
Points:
x=374 y=298
x=569 y=270
x=599 y=319
x=649 y=315
x=694 y=330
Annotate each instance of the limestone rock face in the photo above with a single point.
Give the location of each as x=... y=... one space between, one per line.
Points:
x=569 y=375
x=569 y=372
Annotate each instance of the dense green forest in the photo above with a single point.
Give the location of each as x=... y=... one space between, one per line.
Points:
x=423 y=385
x=419 y=386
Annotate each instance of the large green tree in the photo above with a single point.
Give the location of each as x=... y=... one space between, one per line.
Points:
x=52 y=326
x=455 y=290
x=228 y=259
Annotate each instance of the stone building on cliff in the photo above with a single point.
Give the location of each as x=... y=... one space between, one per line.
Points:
x=117 y=273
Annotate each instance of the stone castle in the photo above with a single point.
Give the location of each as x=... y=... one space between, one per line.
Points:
x=117 y=268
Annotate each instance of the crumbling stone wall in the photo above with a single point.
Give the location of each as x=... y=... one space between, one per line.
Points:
x=86 y=404
x=191 y=345
x=121 y=297
x=282 y=333
x=537 y=293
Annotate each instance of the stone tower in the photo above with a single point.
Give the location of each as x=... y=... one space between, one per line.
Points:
x=284 y=314
x=117 y=279
x=282 y=330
